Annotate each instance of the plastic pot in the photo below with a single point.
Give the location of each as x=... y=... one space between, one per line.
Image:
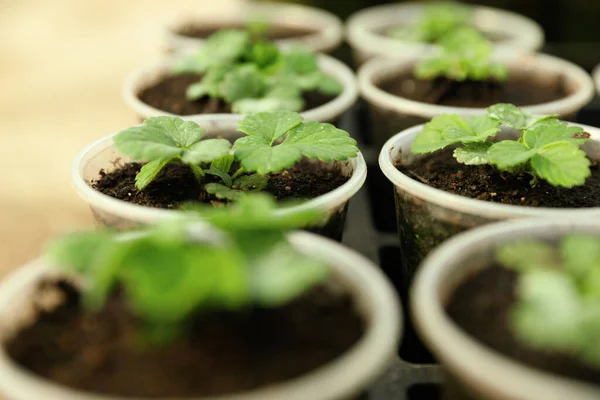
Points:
x=342 y=378
x=391 y=113
x=596 y=75
x=328 y=112
x=119 y=214
x=365 y=31
x=427 y=216
x=324 y=30
x=473 y=369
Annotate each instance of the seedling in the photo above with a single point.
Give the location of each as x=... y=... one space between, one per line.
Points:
x=437 y=21
x=254 y=75
x=166 y=279
x=547 y=149
x=558 y=294
x=464 y=55
x=264 y=150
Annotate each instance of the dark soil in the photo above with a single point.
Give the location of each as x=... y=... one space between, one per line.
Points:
x=483 y=182
x=276 y=32
x=518 y=90
x=175 y=184
x=481 y=306
x=168 y=94
x=222 y=353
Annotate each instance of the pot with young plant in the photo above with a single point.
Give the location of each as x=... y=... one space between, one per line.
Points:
x=232 y=74
x=285 y=24
x=417 y=28
x=464 y=78
x=456 y=173
x=512 y=310
x=246 y=311
x=145 y=173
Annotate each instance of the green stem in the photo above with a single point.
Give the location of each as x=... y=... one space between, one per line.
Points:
x=237 y=173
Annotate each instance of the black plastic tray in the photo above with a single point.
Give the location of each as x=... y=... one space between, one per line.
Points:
x=371 y=230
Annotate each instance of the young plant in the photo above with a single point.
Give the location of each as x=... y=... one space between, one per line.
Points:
x=547 y=149
x=437 y=21
x=558 y=294
x=262 y=151
x=161 y=140
x=464 y=55
x=166 y=279
x=254 y=75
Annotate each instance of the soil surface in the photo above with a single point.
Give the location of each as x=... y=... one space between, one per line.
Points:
x=176 y=184
x=517 y=90
x=223 y=352
x=276 y=32
x=481 y=306
x=168 y=94
x=483 y=182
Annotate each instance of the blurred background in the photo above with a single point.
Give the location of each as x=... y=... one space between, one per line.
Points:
x=62 y=63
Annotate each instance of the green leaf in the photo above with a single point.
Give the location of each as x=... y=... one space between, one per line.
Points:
x=197 y=170
x=561 y=164
x=209 y=85
x=267 y=104
x=283 y=273
x=206 y=150
x=158 y=138
x=549 y=311
x=551 y=131
x=512 y=116
x=527 y=254
x=312 y=139
x=299 y=61
x=329 y=85
x=256 y=212
x=432 y=138
x=269 y=126
x=581 y=254
x=256 y=155
x=223 y=47
x=223 y=192
x=473 y=153
x=508 y=154
x=264 y=54
x=242 y=83
x=149 y=171
x=76 y=251
x=224 y=176
x=223 y=163
x=483 y=127
x=254 y=182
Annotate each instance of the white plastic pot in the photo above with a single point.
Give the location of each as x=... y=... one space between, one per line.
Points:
x=119 y=214
x=482 y=372
x=326 y=28
x=328 y=112
x=391 y=113
x=342 y=378
x=365 y=31
x=427 y=216
x=596 y=75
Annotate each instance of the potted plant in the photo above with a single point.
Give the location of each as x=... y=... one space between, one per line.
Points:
x=464 y=78
x=286 y=24
x=182 y=311
x=450 y=175
x=234 y=73
x=144 y=173
x=511 y=310
x=410 y=28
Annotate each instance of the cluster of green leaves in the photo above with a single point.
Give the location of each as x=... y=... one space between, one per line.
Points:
x=167 y=279
x=161 y=140
x=254 y=75
x=465 y=54
x=558 y=294
x=437 y=21
x=547 y=148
